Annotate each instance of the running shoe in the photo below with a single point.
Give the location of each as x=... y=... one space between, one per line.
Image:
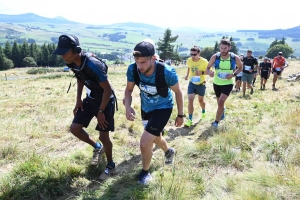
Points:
x=97 y=154
x=169 y=156
x=109 y=171
x=144 y=179
x=188 y=123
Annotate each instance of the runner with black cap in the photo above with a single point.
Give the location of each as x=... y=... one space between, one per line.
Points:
x=156 y=103
x=100 y=102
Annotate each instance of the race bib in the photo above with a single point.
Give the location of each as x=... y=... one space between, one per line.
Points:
x=240 y=74
x=222 y=75
x=149 y=89
x=195 y=79
x=278 y=69
x=247 y=67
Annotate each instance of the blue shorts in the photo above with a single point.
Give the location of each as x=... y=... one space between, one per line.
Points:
x=196 y=89
x=157 y=120
x=90 y=110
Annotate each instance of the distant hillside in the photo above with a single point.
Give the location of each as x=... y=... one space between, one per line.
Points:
x=137 y=25
x=31 y=17
x=277 y=33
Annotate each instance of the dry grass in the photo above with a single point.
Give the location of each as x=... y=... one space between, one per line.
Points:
x=253 y=155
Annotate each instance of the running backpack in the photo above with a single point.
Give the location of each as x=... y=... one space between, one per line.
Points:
x=160 y=82
x=232 y=61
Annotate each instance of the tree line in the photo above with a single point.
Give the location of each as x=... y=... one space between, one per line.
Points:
x=28 y=55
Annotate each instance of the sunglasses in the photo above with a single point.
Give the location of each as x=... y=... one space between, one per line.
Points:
x=280 y=54
x=193 y=54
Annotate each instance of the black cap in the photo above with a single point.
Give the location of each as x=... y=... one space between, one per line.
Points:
x=143 y=49
x=64 y=45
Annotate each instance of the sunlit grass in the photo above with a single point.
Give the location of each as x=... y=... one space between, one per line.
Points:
x=253 y=155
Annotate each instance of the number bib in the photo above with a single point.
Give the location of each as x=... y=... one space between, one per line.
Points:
x=247 y=67
x=222 y=75
x=278 y=69
x=195 y=79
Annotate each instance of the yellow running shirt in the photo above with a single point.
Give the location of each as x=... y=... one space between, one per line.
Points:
x=199 y=65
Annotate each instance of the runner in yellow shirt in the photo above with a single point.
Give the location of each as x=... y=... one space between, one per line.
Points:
x=196 y=75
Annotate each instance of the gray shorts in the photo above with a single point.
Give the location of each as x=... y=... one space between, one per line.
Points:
x=196 y=89
x=247 y=78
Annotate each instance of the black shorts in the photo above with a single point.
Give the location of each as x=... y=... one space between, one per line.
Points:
x=157 y=120
x=222 y=89
x=264 y=75
x=90 y=110
x=277 y=72
x=238 y=78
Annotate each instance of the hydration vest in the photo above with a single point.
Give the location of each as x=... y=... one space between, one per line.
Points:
x=232 y=61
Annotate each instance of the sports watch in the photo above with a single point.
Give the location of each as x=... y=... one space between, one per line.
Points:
x=100 y=111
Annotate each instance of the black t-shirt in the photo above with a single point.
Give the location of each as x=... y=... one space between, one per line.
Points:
x=90 y=73
x=265 y=67
x=249 y=64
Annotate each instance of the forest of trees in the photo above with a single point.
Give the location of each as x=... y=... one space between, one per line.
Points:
x=28 y=55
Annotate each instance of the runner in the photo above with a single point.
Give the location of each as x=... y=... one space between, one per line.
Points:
x=156 y=103
x=278 y=65
x=264 y=72
x=238 y=78
x=225 y=63
x=196 y=74
x=91 y=73
x=249 y=65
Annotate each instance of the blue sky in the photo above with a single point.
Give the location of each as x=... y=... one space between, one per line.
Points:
x=209 y=15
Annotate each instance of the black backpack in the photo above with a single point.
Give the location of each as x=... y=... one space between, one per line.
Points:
x=160 y=82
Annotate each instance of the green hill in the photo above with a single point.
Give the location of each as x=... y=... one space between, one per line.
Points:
x=123 y=36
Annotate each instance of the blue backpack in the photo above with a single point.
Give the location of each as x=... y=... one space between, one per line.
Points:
x=232 y=60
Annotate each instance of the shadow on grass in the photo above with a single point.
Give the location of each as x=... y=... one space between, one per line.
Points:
x=182 y=131
x=76 y=182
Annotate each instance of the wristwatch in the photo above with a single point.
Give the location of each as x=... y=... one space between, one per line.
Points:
x=181 y=116
x=100 y=111
x=234 y=74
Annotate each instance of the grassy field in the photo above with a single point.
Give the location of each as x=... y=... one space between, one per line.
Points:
x=255 y=154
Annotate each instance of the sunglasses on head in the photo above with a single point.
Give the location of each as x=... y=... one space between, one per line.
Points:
x=193 y=54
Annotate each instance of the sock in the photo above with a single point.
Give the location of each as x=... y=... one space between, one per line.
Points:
x=254 y=80
x=145 y=171
x=97 y=145
x=191 y=116
x=203 y=110
x=111 y=164
x=217 y=122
